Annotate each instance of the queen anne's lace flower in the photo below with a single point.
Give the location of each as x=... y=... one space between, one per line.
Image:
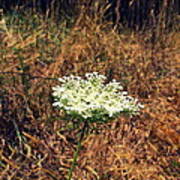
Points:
x=92 y=99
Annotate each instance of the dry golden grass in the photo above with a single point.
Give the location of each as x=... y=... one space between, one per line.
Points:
x=145 y=147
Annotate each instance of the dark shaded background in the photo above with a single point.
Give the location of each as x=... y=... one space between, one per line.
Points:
x=136 y=14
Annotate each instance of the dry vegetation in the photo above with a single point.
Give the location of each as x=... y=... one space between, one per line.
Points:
x=36 y=144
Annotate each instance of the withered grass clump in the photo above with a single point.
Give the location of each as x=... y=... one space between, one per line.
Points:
x=36 y=144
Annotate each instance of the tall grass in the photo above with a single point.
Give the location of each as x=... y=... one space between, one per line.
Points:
x=36 y=144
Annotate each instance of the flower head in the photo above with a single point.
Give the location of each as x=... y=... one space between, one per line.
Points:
x=92 y=99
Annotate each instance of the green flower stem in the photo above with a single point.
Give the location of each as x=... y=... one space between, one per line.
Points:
x=76 y=153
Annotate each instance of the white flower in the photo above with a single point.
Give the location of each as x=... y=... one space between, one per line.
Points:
x=90 y=98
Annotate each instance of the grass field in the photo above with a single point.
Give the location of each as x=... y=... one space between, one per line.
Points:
x=36 y=144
